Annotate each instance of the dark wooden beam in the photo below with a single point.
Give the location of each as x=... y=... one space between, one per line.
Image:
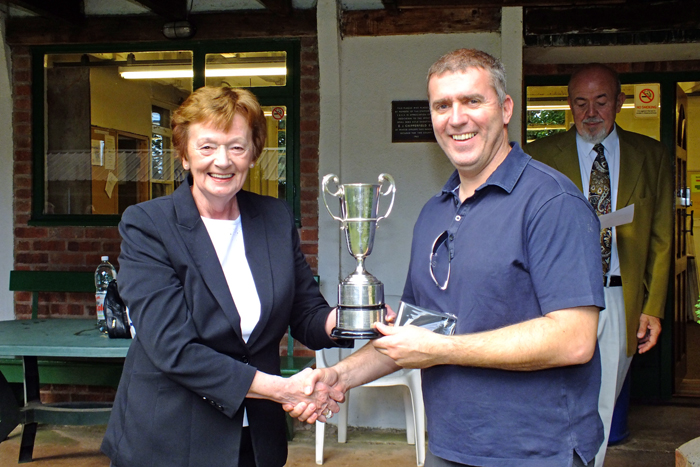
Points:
x=674 y=15
x=68 y=11
x=420 y=21
x=407 y=4
x=279 y=7
x=115 y=29
x=172 y=10
x=391 y=7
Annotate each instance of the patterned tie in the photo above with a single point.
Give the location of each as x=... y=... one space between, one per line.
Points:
x=599 y=197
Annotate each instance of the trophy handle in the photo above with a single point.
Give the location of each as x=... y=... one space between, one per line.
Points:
x=338 y=193
x=391 y=189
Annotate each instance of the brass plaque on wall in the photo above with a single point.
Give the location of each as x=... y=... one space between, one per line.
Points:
x=410 y=122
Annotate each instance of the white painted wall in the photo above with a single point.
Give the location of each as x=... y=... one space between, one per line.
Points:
x=512 y=58
x=6 y=184
x=356 y=145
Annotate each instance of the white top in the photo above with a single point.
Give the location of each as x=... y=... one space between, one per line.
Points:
x=227 y=237
x=586 y=156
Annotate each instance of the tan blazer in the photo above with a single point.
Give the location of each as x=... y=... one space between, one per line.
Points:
x=644 y=246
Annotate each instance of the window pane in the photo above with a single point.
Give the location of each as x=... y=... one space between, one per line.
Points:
x=547 y=111
x=245 y=70
x=100 y=125
x=268 y=177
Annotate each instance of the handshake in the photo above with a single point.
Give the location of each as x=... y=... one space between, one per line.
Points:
x=314 y=394
x=416 y=342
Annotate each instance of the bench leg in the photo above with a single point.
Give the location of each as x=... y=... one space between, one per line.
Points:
x=26 y=449
x=31 y=396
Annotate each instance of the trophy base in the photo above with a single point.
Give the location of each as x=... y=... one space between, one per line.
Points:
x=356 y=322
x=338 y=333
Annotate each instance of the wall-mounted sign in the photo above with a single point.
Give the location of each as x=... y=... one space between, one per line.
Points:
x=694 y=182
x=646 y=100
x=410 y=122
x=278 y=113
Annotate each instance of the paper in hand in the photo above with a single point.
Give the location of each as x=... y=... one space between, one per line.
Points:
x=441 y=323
x=619 y=217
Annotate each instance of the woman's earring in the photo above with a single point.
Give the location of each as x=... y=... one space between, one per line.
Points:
x=252 y=164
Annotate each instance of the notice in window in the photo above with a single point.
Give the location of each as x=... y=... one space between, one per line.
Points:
x=97 y=152
x=111 y=183
x=110 y=152
x=410 y=122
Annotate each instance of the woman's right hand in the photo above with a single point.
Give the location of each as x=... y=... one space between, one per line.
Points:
x=318 y=404
x=321 y=379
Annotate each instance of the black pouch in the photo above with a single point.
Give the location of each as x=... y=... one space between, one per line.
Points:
x=116 y=318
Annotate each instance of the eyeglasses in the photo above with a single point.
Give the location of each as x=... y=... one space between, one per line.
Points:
x=436 y=255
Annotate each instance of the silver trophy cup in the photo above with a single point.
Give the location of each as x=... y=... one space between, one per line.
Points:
x=360 y=295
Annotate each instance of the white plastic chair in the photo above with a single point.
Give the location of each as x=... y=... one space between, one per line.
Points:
x=413 y=404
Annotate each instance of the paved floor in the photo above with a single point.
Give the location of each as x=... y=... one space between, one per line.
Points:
x=656 y=432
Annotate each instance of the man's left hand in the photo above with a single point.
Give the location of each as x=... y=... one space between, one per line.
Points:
x=409 y=346
x=648 y=333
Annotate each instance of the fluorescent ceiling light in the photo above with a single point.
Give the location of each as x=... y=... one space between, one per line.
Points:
x=564 y=106
x=156 y=72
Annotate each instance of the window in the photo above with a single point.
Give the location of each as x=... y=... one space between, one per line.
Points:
x=102 y=139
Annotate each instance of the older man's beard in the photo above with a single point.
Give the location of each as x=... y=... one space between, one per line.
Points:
x=599 y=136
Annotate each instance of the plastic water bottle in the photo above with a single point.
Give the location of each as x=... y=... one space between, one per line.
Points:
x=104 y=274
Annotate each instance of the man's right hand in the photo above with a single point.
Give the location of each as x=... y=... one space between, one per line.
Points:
x=314 y=381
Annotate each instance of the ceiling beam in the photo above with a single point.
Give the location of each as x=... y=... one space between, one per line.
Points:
x=146 y=28
x=68 y=11
x=419 y=21
x=173 y=10
x=653 y=16
x=391 y=7
x=409 y=4
x=279 y=7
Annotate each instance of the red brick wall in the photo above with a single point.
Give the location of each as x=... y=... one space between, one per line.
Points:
x=78 y=248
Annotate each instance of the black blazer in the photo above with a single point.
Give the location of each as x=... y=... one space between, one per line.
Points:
x=181 y=396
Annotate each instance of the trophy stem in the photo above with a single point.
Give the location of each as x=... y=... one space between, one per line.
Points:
x=360 y=264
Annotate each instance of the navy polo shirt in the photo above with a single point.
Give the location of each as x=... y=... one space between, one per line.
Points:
x=525 y=244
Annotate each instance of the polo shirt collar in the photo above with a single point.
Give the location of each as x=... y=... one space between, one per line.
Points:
x=505 y=176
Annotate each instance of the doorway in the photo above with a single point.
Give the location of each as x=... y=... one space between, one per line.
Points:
x=657 y=374
x=688 y=139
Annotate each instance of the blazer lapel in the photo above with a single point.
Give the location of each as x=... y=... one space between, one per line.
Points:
x=198 y=243
x=566 y=159
x=631 y=162
x=257 y=252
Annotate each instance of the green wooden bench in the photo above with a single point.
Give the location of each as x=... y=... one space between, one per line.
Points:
x=30 y=372
x=75 y=371
x=85 y=372
x=88 y=372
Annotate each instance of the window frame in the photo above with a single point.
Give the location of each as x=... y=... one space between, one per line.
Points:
x=288 y=95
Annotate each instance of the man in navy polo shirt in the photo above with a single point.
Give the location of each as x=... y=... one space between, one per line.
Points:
x=512 y=248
